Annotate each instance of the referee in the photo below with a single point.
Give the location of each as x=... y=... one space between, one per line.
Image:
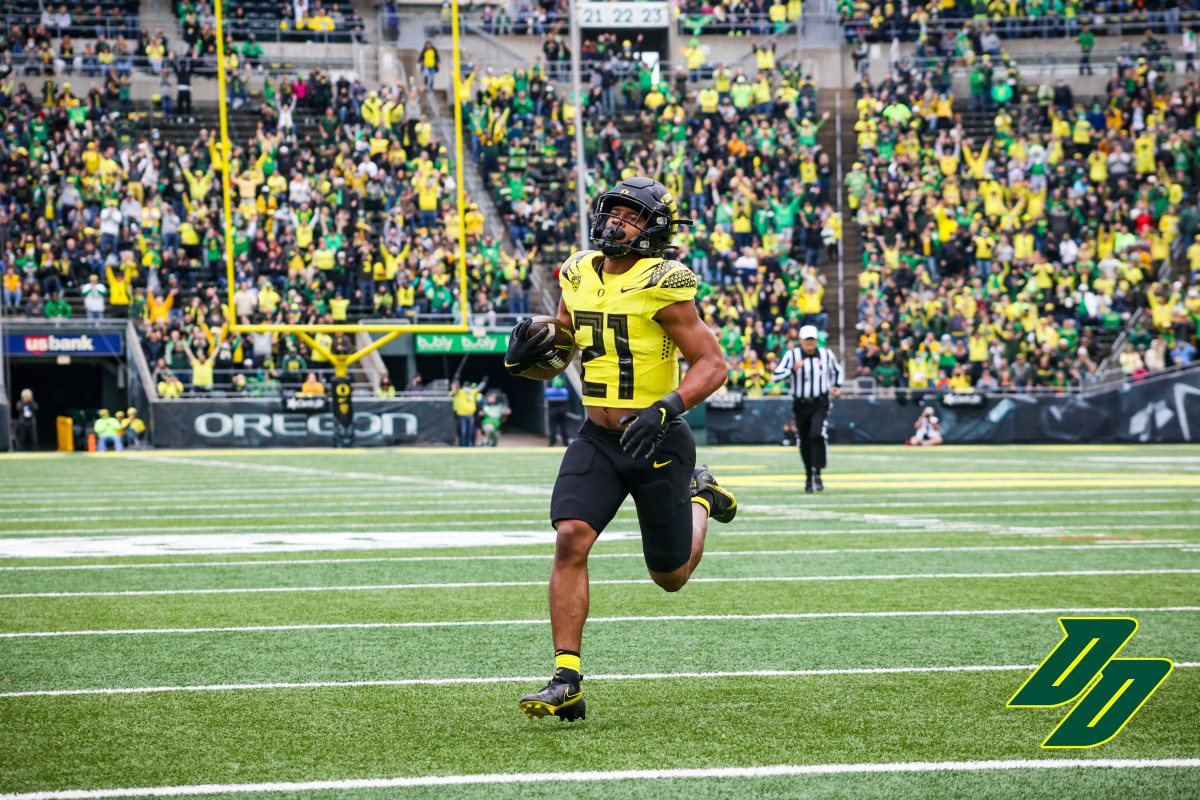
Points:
x=815 y=374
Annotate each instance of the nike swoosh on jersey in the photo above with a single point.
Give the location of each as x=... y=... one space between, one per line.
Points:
x=663 y=464
x=632 y=289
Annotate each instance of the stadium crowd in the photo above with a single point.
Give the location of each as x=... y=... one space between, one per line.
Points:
x=739 y=17
x=881 y=20
x=998 y=259
x=739 y=151
x=352 y=218
x=994 y=260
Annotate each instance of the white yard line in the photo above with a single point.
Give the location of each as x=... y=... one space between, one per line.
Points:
x=496 y=584
x=1135 y=492
x=920 y=525
x=1177 y=544
x=538 y=512
x=649 y=676
x=614 y=775
x=340 y=476
x=259 y=530
x=250 y=502
x=175 y=543
x=214 y=540
x=304 y=512
x=286 y=504
x=596 y=620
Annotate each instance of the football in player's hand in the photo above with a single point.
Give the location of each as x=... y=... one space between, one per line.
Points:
x=564 y=345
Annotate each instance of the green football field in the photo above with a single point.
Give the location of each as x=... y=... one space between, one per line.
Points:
x=360 y=624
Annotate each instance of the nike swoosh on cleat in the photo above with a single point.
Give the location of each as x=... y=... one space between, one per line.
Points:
x=663 y=464
x=570 y=698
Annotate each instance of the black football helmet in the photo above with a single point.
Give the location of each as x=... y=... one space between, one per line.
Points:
x=656 y=223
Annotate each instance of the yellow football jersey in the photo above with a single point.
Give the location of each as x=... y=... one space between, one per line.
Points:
x=629 y=361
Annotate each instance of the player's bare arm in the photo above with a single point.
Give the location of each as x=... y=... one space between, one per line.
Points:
x=707 y=371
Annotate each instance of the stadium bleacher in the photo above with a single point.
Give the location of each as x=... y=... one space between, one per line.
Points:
x=747 y=151
x=342 y=209
x=1017 y=238
x=739 y=149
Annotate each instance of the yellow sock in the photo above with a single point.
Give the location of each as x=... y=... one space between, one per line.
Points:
x=565 y=659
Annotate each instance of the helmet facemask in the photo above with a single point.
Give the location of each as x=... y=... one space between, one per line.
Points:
x=655 y=223
x=604 y=233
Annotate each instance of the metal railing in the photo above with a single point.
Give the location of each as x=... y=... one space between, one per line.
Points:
x=71 y=324
x=1122 y=380
x=488 y=322
x=852 y=388
x=1104 y=59
x=257 y=382
x=353 y=31
x=79 y=26
x=141 y=367
x=30 y=63
x=1049 y=26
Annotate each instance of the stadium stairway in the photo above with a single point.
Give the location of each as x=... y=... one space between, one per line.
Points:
x=852 y=250
x=484 y=190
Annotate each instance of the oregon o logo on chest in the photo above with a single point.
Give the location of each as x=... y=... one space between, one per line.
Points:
x=599 y=293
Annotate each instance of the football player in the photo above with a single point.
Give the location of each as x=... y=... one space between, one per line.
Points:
x=631 y=310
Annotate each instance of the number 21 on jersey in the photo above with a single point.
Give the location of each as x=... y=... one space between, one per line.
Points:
x=615 y=328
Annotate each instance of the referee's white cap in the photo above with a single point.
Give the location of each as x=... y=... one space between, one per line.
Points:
x=808 y=332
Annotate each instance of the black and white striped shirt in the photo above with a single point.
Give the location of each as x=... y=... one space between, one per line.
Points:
x=818 y=373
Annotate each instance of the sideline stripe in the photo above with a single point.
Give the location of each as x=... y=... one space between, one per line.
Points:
x=615 y=775
x=594 y=620
x=1179 y=544
x=649 y=676
x=482 y=584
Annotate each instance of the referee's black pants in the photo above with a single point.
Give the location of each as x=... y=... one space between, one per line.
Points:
x=810 y=425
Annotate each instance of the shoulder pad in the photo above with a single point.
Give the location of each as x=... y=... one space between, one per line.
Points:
x=671 y=275
x=571 y=267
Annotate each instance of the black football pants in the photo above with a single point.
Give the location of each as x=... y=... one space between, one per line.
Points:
x=810 y=425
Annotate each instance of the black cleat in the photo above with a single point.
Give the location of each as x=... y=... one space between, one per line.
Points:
x=820 y=487
x=724 y=505
x=563 y=700
x=808 y=484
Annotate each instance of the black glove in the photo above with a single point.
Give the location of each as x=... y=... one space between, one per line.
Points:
x=647 y=427
x=524 y=353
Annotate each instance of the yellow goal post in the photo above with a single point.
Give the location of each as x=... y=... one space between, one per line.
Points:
x=341 y=362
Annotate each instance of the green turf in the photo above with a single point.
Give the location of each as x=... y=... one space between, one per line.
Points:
x=775 y=565
x=1168 y=784
x=338 y=733
x=619 y=647
x=959 y=497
